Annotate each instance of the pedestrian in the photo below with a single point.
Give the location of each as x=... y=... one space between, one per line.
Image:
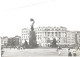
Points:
x=74 y=53
x=69 y=50
x=69 y=54
x=21 y=48
x=57 y=49
x=59 y=52
x=79 y=48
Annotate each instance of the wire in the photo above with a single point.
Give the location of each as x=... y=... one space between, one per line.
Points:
x=30 y=5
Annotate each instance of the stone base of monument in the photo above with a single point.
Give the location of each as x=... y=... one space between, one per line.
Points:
x=32 y=40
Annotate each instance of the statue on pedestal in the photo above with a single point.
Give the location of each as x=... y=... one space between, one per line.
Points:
x=32 y=35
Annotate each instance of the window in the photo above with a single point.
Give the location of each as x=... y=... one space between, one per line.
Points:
x=79 y=40
x=55 y=33
x=38 y=38
x=45 y=33
x=52 y=33
x=53 y=29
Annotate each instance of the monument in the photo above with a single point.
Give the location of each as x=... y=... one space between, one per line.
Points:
x=32 y=35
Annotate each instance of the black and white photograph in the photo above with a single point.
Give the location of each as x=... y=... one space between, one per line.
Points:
x=40 y=28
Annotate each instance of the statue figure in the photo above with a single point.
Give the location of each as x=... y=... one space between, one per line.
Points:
x=32 y=35
x=32 y=25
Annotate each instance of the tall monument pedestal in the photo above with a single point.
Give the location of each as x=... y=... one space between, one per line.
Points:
x=32 y=39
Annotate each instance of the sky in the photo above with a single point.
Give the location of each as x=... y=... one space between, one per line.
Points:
x=15 y=15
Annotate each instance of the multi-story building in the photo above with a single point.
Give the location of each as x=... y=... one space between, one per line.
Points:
x=4 y=41
x=78 y=37
x=25 y=35
x=70 y=37
x=48 y=33
x=45 y=35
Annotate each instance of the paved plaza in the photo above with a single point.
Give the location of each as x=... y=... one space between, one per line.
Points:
x=34 y=52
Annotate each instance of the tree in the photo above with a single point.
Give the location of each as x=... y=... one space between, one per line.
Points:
x=25 y=45
x=13 y=43
x=53 y=44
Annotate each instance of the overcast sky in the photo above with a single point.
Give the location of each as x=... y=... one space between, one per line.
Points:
x=16 y=14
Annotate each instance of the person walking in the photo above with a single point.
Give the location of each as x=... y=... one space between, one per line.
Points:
x=59 y=52
x=74 y=53
x=69 y=53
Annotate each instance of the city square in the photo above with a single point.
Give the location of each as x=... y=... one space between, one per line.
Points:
x=35 y=28
x=47 y=52
x=47 y=41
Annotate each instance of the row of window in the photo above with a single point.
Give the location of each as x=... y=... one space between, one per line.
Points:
x=53 y=29
x=49 y=32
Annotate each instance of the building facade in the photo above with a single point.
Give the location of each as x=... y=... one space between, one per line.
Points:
x=70 y=37
x=78 y=38
x=45 y=35
x=25 y=35
x=4 y=41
